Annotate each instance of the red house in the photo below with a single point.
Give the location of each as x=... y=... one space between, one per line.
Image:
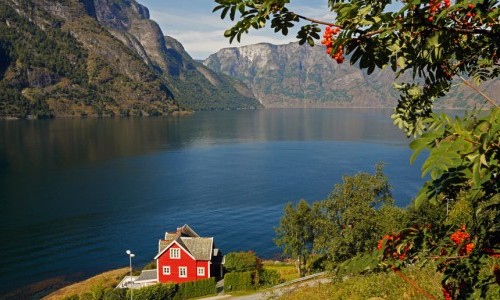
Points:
x=185 y=256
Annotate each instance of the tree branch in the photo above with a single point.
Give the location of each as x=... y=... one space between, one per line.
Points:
x=480 y=93
x=317 y=21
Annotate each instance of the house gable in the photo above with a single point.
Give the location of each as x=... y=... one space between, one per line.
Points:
x=175 y=244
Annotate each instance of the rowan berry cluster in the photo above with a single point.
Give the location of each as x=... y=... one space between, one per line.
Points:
x=329 y=39
x=461 y=238
x=447 y=293
x=390 y=242
x=435 y=6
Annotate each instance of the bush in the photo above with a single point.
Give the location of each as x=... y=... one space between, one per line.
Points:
x=270 y=277
x=155 y=292
x=194 y=289
x=238 y=281
x=115 y=294
x=242 y=262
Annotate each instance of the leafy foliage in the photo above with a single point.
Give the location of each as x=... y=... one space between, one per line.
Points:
x=295 y=233
x=351 y=219
x=239 y=281
x=193 y=289
x=153 y=292
x=347 y=223
x=242 y=262
x=269 y=277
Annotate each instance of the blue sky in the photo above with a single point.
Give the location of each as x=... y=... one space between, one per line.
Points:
x=201 y=31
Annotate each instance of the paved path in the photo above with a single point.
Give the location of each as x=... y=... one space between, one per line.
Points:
x=278 y=290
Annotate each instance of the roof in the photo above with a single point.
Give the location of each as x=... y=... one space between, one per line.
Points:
x=201 y=248
x=148 y=275
x=184 y=231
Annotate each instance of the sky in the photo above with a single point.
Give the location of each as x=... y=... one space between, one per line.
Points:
x=192 y=23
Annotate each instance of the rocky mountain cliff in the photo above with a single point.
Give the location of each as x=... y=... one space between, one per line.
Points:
x=192 y=84
x=301 y=76
x=100 y=57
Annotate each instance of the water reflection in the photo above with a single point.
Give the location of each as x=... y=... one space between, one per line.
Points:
x=44 y=144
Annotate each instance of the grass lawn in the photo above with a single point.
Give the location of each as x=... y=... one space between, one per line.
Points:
x=287 y=271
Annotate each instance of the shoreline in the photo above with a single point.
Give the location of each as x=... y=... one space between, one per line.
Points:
x=106 y=279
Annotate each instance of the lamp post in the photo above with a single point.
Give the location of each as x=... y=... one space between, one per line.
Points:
x=130 y=255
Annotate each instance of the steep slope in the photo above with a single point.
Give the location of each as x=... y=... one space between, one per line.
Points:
x=191 y=83
x=100 y=58
x=300 y=76
x=59 y=61
x=198 y=87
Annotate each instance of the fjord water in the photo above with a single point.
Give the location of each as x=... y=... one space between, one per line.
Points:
x=76 y=193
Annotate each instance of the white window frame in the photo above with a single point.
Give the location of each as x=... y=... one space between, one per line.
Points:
x=175 y=253
x=200 y=271
x=181 y=269
x=166 y=270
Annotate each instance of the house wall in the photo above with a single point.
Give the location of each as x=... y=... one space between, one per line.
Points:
x=185 y=260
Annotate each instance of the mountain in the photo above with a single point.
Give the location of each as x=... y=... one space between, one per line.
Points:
x=192 y=84
x=100 y=58
x=200 y=88
x=301 y=76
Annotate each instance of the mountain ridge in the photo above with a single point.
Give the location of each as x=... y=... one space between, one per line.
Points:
x=98 y=58
x=291 y=75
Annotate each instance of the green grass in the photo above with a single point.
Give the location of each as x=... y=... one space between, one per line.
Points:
x=287 y=271
x=381 y=285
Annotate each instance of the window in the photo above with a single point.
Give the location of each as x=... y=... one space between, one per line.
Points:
x=183 y=271
x=201 y=271
x=166 y=270
x=175 y=253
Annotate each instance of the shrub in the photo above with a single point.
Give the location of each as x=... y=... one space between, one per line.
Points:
x=238 y=281
x=155 y=292
x=114 y=294
x=242 y=262
x=270 y=277
x=194 y=289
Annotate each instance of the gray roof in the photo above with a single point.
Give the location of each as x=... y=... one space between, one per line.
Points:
x=201 y=248
x=148 y=275
x=184 y=231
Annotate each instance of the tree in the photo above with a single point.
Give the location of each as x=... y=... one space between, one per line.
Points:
x=439 y=43
x=348 y=222
x=242 y=262
x=295 y=233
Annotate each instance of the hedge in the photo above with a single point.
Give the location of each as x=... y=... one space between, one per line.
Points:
x=238 y=281
x=179 y=291
x=158 y=291
x=194 y=289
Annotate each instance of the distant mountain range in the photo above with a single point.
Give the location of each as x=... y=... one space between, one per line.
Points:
x=106 y=57
x=301 y=76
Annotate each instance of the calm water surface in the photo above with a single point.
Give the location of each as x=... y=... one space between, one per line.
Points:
x=75 y=194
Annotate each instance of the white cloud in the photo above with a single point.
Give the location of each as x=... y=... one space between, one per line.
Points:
x=201 y=44
x=202 y=34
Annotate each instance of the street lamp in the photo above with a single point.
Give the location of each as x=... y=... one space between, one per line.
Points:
x=130 y=255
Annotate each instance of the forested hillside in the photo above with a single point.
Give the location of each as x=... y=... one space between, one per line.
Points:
x=100 y=58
